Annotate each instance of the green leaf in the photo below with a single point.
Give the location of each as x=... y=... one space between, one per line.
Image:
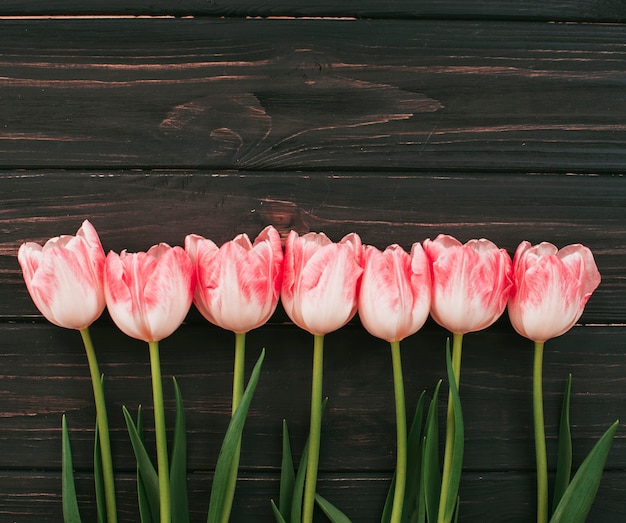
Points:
x=459 y=443
x=98 y=478
x=332 y=513
x=578 y=498
x=178 y=466
x=229 y=446
x=287 y=474
x=279 y=517
x=564 y=460
x=415 y=441
x=414 y=469
x=70 y=503
x=298 y=487
x=430 y=459
x=145 y=510
x=145 y=469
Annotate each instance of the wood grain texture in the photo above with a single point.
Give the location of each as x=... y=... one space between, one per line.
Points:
x=313 y=94
x=45 y=375
x=476 y=119
x=505 y=497
x=563 y=10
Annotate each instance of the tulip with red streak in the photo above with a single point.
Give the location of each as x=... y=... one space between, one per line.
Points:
x=550 y=290
x=471 y=283
x=238 y=284
x=238 y=288
x=65 y=281
x=471 y=286
x=148 y=295
x=320 y=280
x=64 y=277
x=319 y=293
x=394 y=301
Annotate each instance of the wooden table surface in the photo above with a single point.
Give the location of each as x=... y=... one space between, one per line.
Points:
x=398 y=120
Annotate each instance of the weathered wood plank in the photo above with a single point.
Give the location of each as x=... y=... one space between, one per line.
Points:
x=31 y=497
x=564 y=10
x=44 y=374
x=313 y=94
x=133 y=210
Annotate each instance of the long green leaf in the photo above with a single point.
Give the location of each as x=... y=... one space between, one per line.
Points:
x=101 y=508
x=229 y=446
x=149 y=476
x=178 y=466
x=564 y=459
x=459 y=443
x=332 y=513
x=578 y=498
x=146 y=513
x=415 y=441
x=430 y=459
x=298 y=487
x=70 y=503
x=287 y=475
x=277 y=515
x=414 y=469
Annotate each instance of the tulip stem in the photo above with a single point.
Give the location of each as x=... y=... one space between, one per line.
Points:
x=401 y=435
x=540 y=436
x=103 y=427
x=457 y=347
x=238 y=382
x=161 y=437
x=314 y=430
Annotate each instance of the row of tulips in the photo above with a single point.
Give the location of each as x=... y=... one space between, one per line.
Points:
x=321 y=284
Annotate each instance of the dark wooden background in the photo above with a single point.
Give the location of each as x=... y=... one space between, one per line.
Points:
x=399 y=120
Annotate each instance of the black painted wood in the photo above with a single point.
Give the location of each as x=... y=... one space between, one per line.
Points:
x=564 y=10
x=431 y=117
x=313 y=94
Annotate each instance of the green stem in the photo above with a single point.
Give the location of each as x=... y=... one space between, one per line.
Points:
x=103 y=427
x=314 y=430
x=161 y=436
x=401 y=435
x=540 y=436
x=238 y=382
x=457 y=347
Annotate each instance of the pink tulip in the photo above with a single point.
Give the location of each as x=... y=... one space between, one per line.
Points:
x=238 y=283
x=394 y=299
x=471 y=283
x=148 y=294
x=550 y=288
x=320 y=280
x=64 y=277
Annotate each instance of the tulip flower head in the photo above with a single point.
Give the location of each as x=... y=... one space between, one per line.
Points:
x=551 y=288
x=320 y=280
x=394 y=299
x=148 y=294
x=238 y=284
x=471 y=283
x=64 y=277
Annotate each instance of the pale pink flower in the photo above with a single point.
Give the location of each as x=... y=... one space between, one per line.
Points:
x=394 y=298
x=550 y=288
x=238 y=284
x=148 y=294
x=320 y=280
x=471 y=283
x=64 y=277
